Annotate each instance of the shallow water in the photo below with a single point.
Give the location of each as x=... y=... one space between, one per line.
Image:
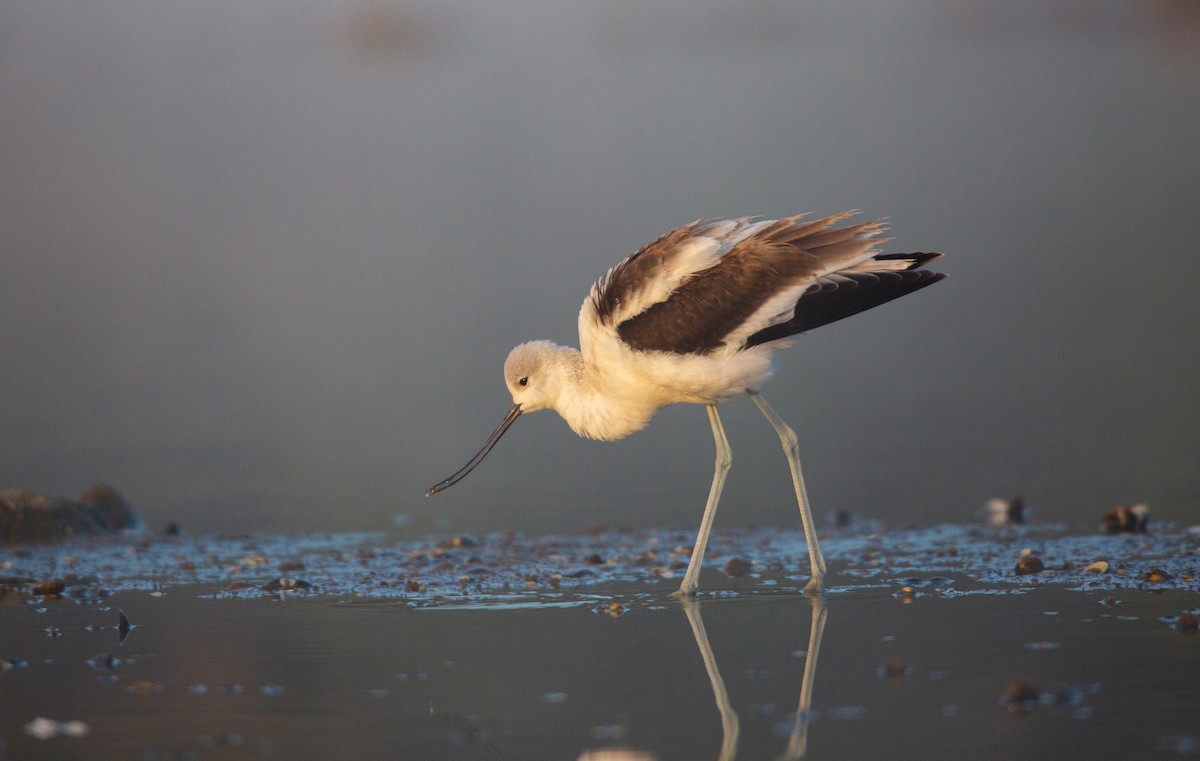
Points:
x=545 y=672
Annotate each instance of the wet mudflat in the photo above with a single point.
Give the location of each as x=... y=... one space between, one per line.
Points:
x=928 y=645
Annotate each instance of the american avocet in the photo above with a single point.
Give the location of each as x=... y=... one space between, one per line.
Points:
x=694 y=317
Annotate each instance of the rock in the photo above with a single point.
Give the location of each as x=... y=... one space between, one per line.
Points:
x=50 y=587
x=1021 y=696
x=1127 y=520
x=111 y=506
x=26 y=516
x=1029 y=564
x=737 y=567
x=1006 y=512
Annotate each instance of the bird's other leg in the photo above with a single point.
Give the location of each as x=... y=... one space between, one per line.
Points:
x=724 y=459
x=787 y=437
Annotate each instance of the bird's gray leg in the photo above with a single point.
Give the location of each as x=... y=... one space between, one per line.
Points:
x=787 y=437
x=724 y=460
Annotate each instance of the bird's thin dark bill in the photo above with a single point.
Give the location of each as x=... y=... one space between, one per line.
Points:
x=513 y=413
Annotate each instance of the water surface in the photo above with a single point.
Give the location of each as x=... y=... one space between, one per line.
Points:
x=221 y=669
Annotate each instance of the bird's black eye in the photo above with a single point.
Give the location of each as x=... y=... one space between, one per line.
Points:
x=524 y=381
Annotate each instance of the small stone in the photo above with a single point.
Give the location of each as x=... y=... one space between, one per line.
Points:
x=1187 y=624
x=840 y=518
x=737 y=567
x=1157 y=576
x=42 y=728
x=46 y=729
x=146 y=688
x=892 y=669
x=1099 y=566
x=1029 y=564
x=1006 y=512
x=1127 y=520
x=104 y=662
x=1022 y=695
x=284 y=584
x=52 y=587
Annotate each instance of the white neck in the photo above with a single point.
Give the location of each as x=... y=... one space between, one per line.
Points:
x=589 y=411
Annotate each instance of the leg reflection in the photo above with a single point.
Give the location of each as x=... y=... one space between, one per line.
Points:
x=729 y=718
x=730 y=727
x=798 y=740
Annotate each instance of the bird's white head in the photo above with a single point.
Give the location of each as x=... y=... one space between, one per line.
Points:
x=535 y=373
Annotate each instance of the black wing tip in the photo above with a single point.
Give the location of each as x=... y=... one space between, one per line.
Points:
x=918 y=258
x=865 y=290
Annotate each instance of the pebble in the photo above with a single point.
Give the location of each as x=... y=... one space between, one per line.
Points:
x=1022 y=695
x=46 y=729
x=52 y=588
x=893 y=669
x=1030 y=564
x=737 y=567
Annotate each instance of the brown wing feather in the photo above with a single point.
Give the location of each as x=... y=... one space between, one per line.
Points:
x=705 y=308
x=624 y=282
x=702 y=311
x=696 y=318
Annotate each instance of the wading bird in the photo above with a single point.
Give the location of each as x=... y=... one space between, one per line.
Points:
x=694 y=317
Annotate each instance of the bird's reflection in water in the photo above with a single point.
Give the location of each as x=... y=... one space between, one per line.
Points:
x=730 y=728
x=798 y=739
x=797 y=743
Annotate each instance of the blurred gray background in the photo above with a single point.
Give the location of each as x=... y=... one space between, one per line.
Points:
x=260 y=263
